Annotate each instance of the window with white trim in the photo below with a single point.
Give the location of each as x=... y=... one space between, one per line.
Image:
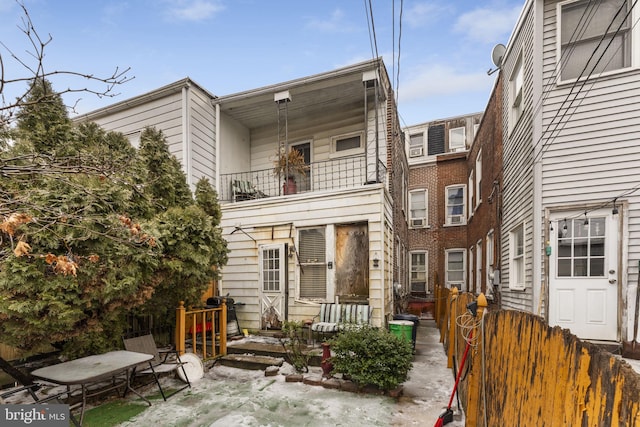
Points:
x=515 y=91
x=471 y=187
x=456 y=208
x=418 y=208
x=516 y=258
x=272 y=271
x=416 y=144
x=418 y=270
x=347 y=144
x=457 y=138
x=455 y=272
x=479 y=266
x=579 y=42
x=313 y=265
x=478 y=178
x=470 y=269
x=489 y=245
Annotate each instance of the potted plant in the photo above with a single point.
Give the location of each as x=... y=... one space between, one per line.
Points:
x=286 y=166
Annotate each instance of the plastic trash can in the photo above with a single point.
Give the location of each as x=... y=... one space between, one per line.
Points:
x=413 y=318
x=403 y=329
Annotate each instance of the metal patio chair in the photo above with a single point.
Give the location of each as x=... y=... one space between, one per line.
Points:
x=164 y=360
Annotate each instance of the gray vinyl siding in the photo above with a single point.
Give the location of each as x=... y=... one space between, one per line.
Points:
x=595 y=155
x=518 y=167
x=202 y=130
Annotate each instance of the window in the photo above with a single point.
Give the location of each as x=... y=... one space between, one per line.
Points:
x=515 y=91
x=478 y=287
x=271 y=269
x=581 y=248
x=348 y=144
x=457 y=139
x=455 y=205
x=418 y=208
x=454 y=276
x=490 y=256
x=516 y=257
x=471 y=258
x=418 y=271
x=435 y=140
x=476 y=126
x=579 y=41
x=479 y=178
x=312 y=259
x=471 y=187
x=416 y=145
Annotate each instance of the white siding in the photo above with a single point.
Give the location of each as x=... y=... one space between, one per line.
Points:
x=518 y=166
x=594 y=155
x=276 y=220
x=202 y=131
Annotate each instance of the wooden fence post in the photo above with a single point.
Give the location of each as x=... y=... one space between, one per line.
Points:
x=474 y=384
x=223 y=328
x=180 y=325
x=451 y=319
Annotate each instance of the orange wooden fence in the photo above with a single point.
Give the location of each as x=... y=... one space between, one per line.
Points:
x=200 y=326
x=524 y=373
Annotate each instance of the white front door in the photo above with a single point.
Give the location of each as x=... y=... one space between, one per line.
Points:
x=583 y=274
x=272 y=285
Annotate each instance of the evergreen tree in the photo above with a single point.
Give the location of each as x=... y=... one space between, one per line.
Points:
x=91 y=230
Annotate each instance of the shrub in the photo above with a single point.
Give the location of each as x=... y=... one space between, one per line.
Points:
x=372 y=356
x=294 y=347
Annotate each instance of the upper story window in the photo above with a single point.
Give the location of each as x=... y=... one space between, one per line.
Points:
x=516 y=258
x=455 y=195
x=418 y=208
x=471 y=186
x=457 y=138
x=418 y=272
x=598 y=44
x=478 y=178
x=435 y=140
x=515 y=91
x=416 y=145
x=348 y=144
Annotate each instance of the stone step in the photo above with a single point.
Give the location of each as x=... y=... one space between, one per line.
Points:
x=251 y=362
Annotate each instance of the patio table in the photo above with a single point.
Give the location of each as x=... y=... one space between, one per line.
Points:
x=89 y=370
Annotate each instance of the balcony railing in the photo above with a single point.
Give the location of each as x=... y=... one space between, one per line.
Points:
x=342 y=173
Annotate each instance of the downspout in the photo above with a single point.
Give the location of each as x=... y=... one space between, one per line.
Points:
x=216 y=163
x=186 y=135
x=377 y=151
x=538 y=282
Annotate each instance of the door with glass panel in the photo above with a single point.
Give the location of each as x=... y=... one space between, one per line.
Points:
x=583 y=274
x=272 y=285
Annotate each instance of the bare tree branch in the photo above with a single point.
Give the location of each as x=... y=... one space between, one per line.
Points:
x=100 y=86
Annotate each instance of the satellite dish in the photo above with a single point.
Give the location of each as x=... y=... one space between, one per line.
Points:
x=497 y=53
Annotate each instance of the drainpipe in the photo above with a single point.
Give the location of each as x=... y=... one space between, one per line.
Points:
x=216 y=164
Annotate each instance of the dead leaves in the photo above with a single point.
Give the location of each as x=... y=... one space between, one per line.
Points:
x=22 y=248
x=10 y=223
x=62 y=264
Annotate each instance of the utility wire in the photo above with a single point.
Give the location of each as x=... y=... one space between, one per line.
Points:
x=549 y=139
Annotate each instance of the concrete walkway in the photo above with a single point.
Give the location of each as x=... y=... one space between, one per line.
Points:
x=234 y=397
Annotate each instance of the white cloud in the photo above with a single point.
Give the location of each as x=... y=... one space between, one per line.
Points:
x=440 y=80
x=195 y=10
x=424 y=13
x=488 y=25
x=336 y=23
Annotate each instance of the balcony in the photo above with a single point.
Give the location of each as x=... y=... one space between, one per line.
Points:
x=336 y=174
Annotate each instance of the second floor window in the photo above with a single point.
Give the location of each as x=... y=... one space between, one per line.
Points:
x=455 y=205
x=579 y=42
x=516 y=82
x=347 y=144
x=418 y=208
x=479 y=178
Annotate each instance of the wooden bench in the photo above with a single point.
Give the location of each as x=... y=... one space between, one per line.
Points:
x=338 y=317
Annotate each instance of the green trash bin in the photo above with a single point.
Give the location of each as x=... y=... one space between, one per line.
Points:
x=403 y=329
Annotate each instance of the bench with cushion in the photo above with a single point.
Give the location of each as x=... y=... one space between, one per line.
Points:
x=338 y=317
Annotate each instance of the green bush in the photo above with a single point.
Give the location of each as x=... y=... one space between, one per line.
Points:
x=372 y=356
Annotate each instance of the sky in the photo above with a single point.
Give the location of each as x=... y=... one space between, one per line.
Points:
x=437 y=52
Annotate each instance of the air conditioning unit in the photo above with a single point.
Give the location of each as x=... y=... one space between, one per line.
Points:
x=417 y=222
x=455 y=219
x=415 y=152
